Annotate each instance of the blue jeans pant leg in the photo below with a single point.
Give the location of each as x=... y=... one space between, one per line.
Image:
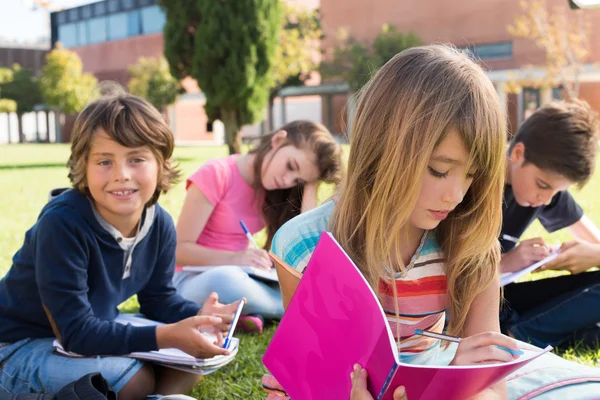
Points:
x=571 y=316
x=231 y=284
x=31 y=366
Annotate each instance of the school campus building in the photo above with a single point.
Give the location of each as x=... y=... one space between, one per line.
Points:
x=110 y=35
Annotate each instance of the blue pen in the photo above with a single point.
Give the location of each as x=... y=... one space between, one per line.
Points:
x=248 y=234
x=236 y=317
x=458 y=340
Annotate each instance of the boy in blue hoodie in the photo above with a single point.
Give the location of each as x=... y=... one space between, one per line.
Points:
x=93 y=247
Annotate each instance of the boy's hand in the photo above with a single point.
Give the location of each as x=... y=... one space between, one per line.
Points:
x=575 y=256
x=212 y=307
x=526 y=253
x=359 y=386
x=186 y=336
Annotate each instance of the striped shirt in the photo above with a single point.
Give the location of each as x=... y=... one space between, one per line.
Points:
x=421 y=292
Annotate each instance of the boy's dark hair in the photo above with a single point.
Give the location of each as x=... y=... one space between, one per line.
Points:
x=130 y=121
x=561 y=137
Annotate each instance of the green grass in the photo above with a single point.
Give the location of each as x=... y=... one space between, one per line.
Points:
x=29 y=172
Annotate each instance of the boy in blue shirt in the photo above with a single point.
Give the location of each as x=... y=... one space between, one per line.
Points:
x=92 y=248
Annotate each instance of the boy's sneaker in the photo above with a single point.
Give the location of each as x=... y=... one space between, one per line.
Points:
x=250 y=324
x=169 y=397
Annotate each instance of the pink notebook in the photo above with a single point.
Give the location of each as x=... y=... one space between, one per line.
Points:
x=334 y=320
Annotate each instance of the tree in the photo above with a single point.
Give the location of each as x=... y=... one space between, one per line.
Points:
x=298 y=51
x=151 y=79
x=64 y=84
x=228 y=47
x=564 y=37
x=354 y=61
x=24 y=89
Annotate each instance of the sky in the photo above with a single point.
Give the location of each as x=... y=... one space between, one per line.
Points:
x=21 y=21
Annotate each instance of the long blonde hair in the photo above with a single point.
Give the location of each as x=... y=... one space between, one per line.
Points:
x=403 y=113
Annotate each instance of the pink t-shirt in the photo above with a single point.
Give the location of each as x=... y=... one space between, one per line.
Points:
x=222 y=184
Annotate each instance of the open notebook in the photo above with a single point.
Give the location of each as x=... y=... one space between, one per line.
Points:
x=510 y=277
x=334 y=320
x=269 y=276
x=172 y=358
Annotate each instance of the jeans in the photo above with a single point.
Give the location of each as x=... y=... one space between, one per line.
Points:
x=231 y=284
x=31 y=366
x=554 y=311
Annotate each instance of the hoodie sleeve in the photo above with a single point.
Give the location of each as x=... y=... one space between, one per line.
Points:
x=61 y=269
x=159 y=299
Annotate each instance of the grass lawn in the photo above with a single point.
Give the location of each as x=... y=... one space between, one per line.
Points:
x=29 y=172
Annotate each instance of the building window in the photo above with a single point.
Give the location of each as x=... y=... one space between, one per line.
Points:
x=491 y=51
x=133 y=25
x=99 y=9
x=117 y=26
x=531 y=101
x=97 y=29
x=62 y=17
x=113 y=6
x=67 y=35
x=86 y=11
x=153 y=19
x=82 y=33
x=73 y=14
x=127 y=4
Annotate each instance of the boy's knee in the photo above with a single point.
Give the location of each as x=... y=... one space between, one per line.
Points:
x=141 y=385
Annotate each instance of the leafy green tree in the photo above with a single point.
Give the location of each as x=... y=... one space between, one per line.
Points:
x=354 y=61
x=151 y=79
x=64 y=84
x=24 y=90
x=298 y=51
x=228 y=47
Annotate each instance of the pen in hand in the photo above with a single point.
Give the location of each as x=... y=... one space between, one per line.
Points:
x=458 y=340
x=248 y=234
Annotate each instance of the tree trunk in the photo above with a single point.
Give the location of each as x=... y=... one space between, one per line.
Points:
x=47 y=126
x=232 y=138
x=269 y=127
x=20 y=125
x=8 y=126
x=37 y=128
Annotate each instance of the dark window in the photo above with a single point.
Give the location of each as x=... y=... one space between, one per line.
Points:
x=62 y=17
x=491 y=51
x=531 y=101
x=153 y=19
x=127 y=4
x=113 y=6
x=73 y=14
x=99 y=9
x=86 y=11
x=97 y=29
x=117 y=26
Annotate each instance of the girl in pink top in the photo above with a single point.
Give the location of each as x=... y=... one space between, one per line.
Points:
x=264 y=188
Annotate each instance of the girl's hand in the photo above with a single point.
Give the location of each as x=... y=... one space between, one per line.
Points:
x=185 y=335
x=258 y=258
x=526 y=253
x=359 y=386
x=483 y=348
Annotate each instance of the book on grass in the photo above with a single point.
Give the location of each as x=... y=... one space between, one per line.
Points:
x=510 y=277
x=172 y=358
x=267 y=275
x=335 y=320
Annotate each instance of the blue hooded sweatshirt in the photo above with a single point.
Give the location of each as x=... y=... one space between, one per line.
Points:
x=74 y=269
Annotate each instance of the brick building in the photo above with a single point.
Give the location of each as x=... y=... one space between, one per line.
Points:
x=481 y=25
